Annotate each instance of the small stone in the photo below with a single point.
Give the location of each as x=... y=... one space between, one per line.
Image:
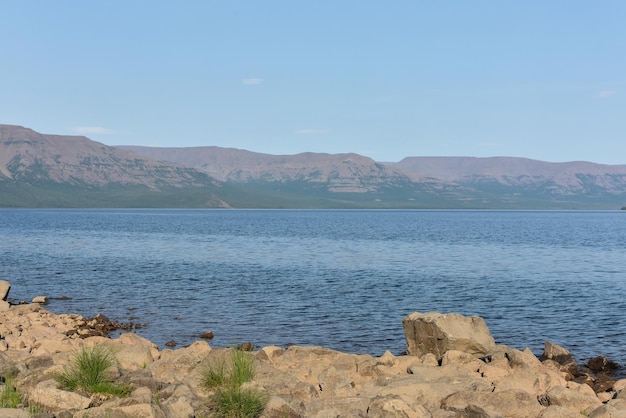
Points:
x=207 y=335
x=246 y=347
x=171 y=343
x=40 y=299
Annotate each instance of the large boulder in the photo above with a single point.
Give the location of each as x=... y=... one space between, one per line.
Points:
x=575 y=400
x=510 y=403
x=131 y=351
x=552 y=351
x=395 y=407
x=428 y=386
x=437 y=333
x=53 y=399
x=4 y=289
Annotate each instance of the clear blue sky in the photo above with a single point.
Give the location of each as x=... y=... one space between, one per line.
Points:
x=538 y=79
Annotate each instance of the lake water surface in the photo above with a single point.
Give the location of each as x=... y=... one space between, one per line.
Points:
x=341 y=279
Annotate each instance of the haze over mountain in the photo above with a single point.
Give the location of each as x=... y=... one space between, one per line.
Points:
x=72 y=171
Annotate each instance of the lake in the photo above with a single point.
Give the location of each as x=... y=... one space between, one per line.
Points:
x=341 y=279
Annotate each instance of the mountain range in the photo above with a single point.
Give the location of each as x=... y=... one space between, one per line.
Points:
x=40 y=170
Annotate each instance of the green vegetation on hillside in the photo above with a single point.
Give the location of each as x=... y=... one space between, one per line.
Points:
x=296 y=195
x=60 y=195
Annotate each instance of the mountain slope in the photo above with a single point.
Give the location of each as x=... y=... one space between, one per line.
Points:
x=521 y=181
x=51 y=168
x=338 y=173
x=39 y=170
x=418 y=182
x=513 y=171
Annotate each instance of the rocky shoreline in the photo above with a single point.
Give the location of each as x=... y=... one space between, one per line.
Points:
x=452 y=368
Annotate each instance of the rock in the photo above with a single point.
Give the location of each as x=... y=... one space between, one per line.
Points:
x=246 y=346
x=4 y=289
x=43 y=300
x=607 y=411
x=307 y=363
x=7 y=367
x=430 y=385
x=131 y=351
x=337 y=407
x=207 y=335
x=602 y=364
x=135 y=411
x=54 y=399
x=462 y=359
x=394 y=407
x=535 y=382
x=569 y=398
x=518 y=358
x=97 y=326
x=278 y=407
x=494 y=373
x=13 y=413
x=180 y=365
x=437 y=333
x=603 y=383
x=4 y=305
x=179 y=403
x=619 y=385
x=555 y=352
x=555 y=411
x=171 y=343
x=307 y=381
x=510 y=403
x=429 y=359
x=336 y=382
x=269 y=353
x=293 y=391
x=617 y=403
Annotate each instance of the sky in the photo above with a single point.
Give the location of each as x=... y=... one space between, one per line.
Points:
x=538 y=79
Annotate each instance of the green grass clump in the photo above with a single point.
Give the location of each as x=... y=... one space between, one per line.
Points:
x=226 y=377
x=214 y=375
x=242 y=370
x=237 y=402
x=9 y=395
x=87 y=372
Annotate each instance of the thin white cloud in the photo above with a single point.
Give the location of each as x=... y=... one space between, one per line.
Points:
x=310 y=131
x=92 y=130
x=252 y=81
x=606 y=93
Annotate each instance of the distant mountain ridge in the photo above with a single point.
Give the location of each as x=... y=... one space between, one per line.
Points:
x=71 y=171
x=77 y=159
x=568 y=177
x=349 y=173
x=498 y=182
x=53 y=170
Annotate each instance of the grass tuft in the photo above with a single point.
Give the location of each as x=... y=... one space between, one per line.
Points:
x=87 y=372
x=242 y=370
x=9 y=395
x=237 y=402
x=230 y=400
x=214 y=374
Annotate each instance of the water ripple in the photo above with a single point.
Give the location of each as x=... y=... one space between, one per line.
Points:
x=342 y=279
